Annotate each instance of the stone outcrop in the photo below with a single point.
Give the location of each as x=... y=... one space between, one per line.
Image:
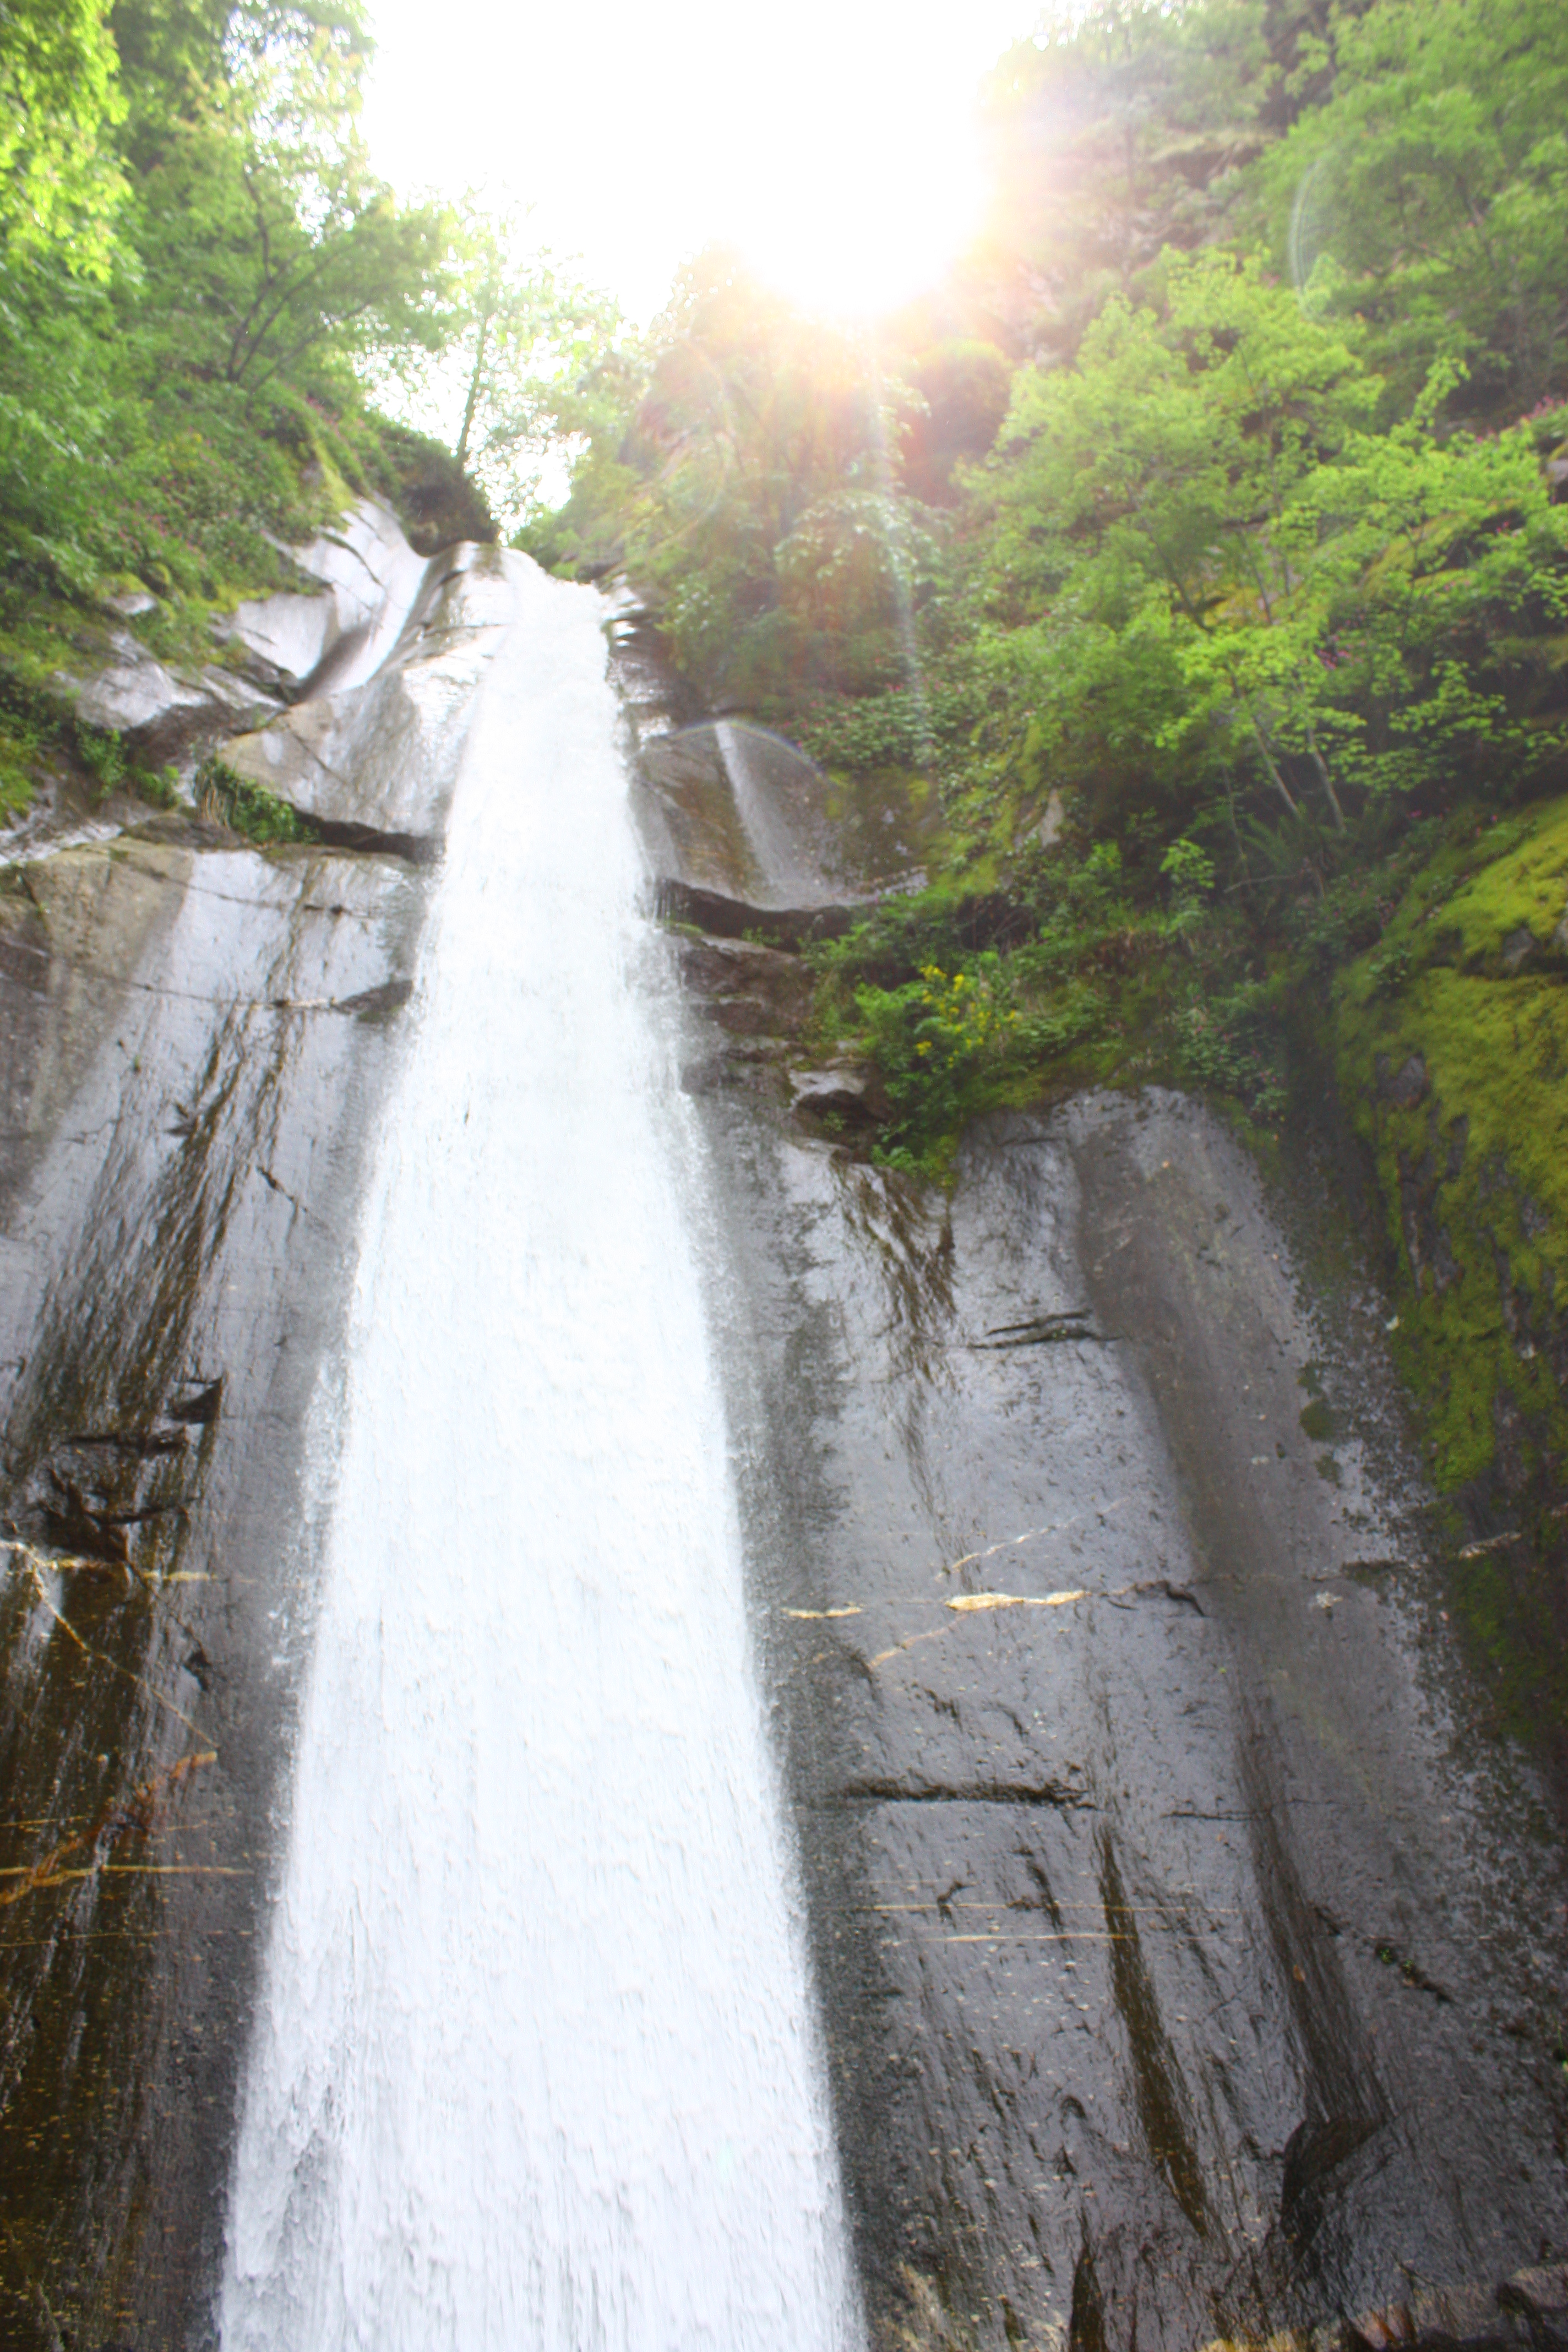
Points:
x=1089 y=1585
x=368 y=575
x=1526 y=2313
x=394 y=719
x=164 y=715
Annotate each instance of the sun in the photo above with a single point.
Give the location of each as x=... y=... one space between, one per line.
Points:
x=864 y=236
x=833 y=143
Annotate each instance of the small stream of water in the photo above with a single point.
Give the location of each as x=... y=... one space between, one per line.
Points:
x=534 y=2063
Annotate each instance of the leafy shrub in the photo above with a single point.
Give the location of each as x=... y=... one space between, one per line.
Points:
x=1229 y=1043
x=899 y=728
x=936 y=1041
x=249 y=809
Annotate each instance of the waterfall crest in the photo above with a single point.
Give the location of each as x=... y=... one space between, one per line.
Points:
x=534 y=2063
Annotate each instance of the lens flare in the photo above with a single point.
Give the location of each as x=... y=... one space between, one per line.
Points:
x=834 y=146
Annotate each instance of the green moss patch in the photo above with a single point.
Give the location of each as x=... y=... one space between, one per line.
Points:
x=1453 y=1053
x=250 y=809
x=1452 y=1043
x=1449 y=1032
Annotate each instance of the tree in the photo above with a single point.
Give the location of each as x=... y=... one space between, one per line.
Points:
x=178 y=395
x=1119 y=130
x=525 y=338
x=767 y=524
x=60 y=187
x=1208 y=569
x=1429 y=191
x=263 y=235
x=962 y=385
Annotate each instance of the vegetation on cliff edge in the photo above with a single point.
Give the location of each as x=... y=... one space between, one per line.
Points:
x=201 y=279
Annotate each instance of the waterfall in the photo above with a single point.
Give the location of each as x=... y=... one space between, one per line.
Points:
x=789 y=873
x=534 y=2067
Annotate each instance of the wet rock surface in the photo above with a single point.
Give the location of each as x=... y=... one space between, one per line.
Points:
x=163 y=716
x=369 y=576
x=1191 y=1953
x=1189 y=1971
x=788 y=929
x=734 y=810
x=370 y=761
x=1189 y=1939
x=1452 y=1046
x=195 y=1039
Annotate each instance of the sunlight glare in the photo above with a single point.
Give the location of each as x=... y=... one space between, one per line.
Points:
x=834 y=145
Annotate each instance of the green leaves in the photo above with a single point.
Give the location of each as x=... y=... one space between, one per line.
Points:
x=61 y=185
x=1208 y=567
x=524 y=342
x=265 y=238
x=1429 y=191
x=1119 y=130
x=935 y=1040
x=196 y=263
x=753 y=496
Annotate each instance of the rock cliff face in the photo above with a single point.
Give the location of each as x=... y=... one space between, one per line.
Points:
x=1158 y=1877
x=1191 y=1947
x=1188 y=1950
x=195 y=1039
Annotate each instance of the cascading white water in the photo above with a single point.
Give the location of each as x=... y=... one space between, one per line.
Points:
x=780 y=855
x=534 y=2067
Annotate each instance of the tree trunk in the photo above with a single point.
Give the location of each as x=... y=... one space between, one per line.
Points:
x=461 y=452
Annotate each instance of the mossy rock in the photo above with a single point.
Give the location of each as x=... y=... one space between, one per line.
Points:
x=1452 y=1043
x=1453 y=1054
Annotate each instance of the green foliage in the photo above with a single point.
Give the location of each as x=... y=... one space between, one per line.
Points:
x=1192 y=876
x=61 y=185
x=903 y=727
x=759 y=433
x=1120 y=130
x=195 y=269
x=936 y=1040
x=1464 y=996
x=1206 y=570
x=38 y=728
x=746 y=478
x=520 y=341
x=961 y=386
x=249 y=809
x=26 y=727
x=262 y=235
x=1429 y=192
x=1229 y=1044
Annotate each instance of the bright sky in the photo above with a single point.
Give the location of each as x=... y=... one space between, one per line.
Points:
x=831 y=140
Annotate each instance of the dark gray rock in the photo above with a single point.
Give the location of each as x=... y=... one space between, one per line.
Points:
x=790 y=928
x=843 y=1091
x=1540 y=2298
x=1465 y=2319
x=1407 y=1085
x=1141 y=1856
